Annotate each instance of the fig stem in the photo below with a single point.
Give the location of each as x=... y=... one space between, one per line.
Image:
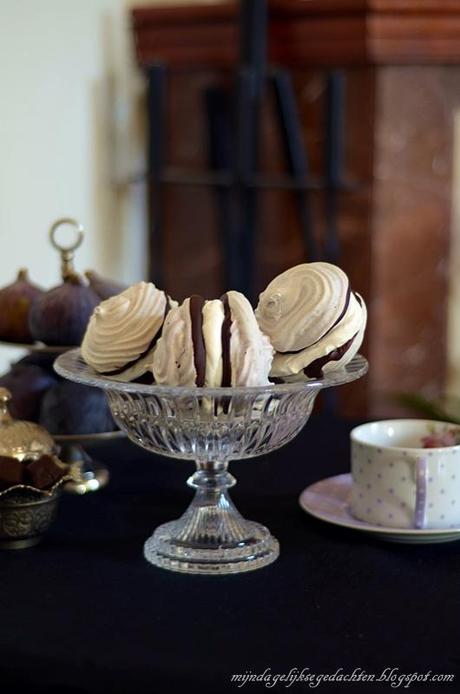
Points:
x=73 y=277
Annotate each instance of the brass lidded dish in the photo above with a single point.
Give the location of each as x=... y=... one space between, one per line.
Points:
x=31 y=477
x=19 y=439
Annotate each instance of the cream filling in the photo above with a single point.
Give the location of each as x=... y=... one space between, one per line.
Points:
x=213 y=318
x=353 y=323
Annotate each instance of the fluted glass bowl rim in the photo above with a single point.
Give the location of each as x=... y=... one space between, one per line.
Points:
x=71 y=366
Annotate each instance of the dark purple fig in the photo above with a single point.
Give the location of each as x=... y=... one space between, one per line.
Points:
x=15 y=302
x=27 y=384
x=60 y=316
x=103 y=287
x=43 y=359
x=69 y=408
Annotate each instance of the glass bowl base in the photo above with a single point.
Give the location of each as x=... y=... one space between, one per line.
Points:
x=258 y=549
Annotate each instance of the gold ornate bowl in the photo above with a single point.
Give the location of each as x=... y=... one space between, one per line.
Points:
x=27 y=513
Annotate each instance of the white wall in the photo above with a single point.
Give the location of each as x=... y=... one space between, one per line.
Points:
x=69 y=127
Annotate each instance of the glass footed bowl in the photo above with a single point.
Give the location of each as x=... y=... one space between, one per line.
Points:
x=211 y=426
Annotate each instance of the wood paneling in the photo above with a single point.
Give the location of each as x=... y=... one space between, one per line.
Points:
x=318 y=32
x=411 y=229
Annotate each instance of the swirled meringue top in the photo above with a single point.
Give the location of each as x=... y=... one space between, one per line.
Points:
x=123 y=329
x=302 y=304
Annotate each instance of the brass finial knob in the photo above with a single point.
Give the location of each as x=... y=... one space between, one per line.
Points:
x=5 y=395
x=67 y=252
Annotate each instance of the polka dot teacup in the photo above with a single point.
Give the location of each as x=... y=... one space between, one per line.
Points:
x=399 y=483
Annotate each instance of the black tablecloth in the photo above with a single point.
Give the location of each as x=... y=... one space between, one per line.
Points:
x=84 y=612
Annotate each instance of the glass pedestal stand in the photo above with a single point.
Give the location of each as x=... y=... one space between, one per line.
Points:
x=211 y=536
x=211 y=426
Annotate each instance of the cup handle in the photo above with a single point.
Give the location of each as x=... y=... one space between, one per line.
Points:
x=421 y=476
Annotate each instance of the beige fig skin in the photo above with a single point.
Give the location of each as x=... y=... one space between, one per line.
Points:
x=251 y=353
x=121 y=330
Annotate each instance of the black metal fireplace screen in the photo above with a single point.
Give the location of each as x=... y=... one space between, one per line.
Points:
x=234 y=174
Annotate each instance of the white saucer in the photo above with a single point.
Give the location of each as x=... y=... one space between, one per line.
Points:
x=328 y=501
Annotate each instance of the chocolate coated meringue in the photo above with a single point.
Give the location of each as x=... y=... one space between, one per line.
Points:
x=213 y=343
x=314 y=320
x=123 y=331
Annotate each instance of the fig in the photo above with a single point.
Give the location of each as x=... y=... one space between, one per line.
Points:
x=103 y=287
x=27 y=384
x=59 y=316
x=43 y=359
x=15 y=302
x=69 y=408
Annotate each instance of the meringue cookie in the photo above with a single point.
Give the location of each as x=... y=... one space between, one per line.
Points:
x=173 y=359
x=213 y=343
x=123 y=331
x=251 y=352
x=314 y=320
x=301 y=304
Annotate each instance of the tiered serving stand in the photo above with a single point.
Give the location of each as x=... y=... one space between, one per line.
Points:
x=89 y=474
